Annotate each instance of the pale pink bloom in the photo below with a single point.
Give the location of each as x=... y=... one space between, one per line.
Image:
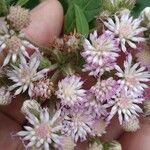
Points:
x=133 y=77
x=70 y=90
x=25 y=75
x=77 y=123
x=100 y=55
x=16 y=45
x=126 y=29
x=104 y=90
x=125 y=105
x=43 y=131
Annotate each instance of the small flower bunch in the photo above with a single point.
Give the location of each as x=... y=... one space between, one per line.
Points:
x=85 y=80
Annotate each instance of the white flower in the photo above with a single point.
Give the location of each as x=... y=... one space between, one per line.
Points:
x=126 y=105
x=16 y=46
x=5 y=96
x=133 y=76
x=43 y=132
x=25 y=75
x=127 y=29
x=70 y=90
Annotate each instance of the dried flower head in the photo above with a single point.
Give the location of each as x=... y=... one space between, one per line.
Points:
x=95 y=146
x=70 y=90
x=31 y=106
x=72 y=41
x=25 y=75
x=133 y=77
x=125 y=105
x=43 y=132
x=100 y=55
x=132 y=125
x=18 y=17
x=43 y=89
x=77 y=123
x=126 y=29
x=5 y=96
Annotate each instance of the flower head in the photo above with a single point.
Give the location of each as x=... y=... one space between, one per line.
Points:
x=143 y=57
x=43 y=89
x=133 y=76
x=100 y=55
x=16 y=46
x=95 y=107
x=66 y=143
x=126 y=105
x=70 y=90
x=127 y=29
x=43 y=131
x=95 y=146
x=77 y=123
x=5 y=96
x=25 y=75
x=104 y=90
x=19 y=17
x=99 y=127
x=30 y=106
x=132 y=125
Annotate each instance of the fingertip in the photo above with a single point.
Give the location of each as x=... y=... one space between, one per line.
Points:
x=46 y=22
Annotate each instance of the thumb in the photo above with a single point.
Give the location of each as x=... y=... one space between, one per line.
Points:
x=46 y=22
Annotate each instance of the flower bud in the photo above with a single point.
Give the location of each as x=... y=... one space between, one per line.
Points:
x=95 y=146
x=31 y=106
x=18 y=17
x=114 y=145
x=146 y=106
x=132 y=125
x=5 y=96
x=145 y=16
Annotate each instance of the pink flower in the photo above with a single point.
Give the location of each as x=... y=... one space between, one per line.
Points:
x=100 y=55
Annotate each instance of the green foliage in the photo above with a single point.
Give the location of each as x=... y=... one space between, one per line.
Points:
x=79 y=15
x=22 y=2
x=140 y=5
x=81 y=21
x=3 y=7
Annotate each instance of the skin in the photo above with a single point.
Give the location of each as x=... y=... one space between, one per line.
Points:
x=42 y=30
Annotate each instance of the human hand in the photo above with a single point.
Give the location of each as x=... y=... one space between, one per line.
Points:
x=47 y=19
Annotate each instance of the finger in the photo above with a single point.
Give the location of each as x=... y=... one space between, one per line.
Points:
x=113 y=130
x=46 y=24
x=43 y=27
x=13 y=110
x=138 y=140
x=7 y=126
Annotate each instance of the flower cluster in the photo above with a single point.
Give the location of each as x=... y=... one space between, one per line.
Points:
x=60 y=108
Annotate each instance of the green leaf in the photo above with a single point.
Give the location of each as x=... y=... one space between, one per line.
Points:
x=3 y=7
x=81 y=21
x=22 y=2
x=91 y=8
x=70 y=19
